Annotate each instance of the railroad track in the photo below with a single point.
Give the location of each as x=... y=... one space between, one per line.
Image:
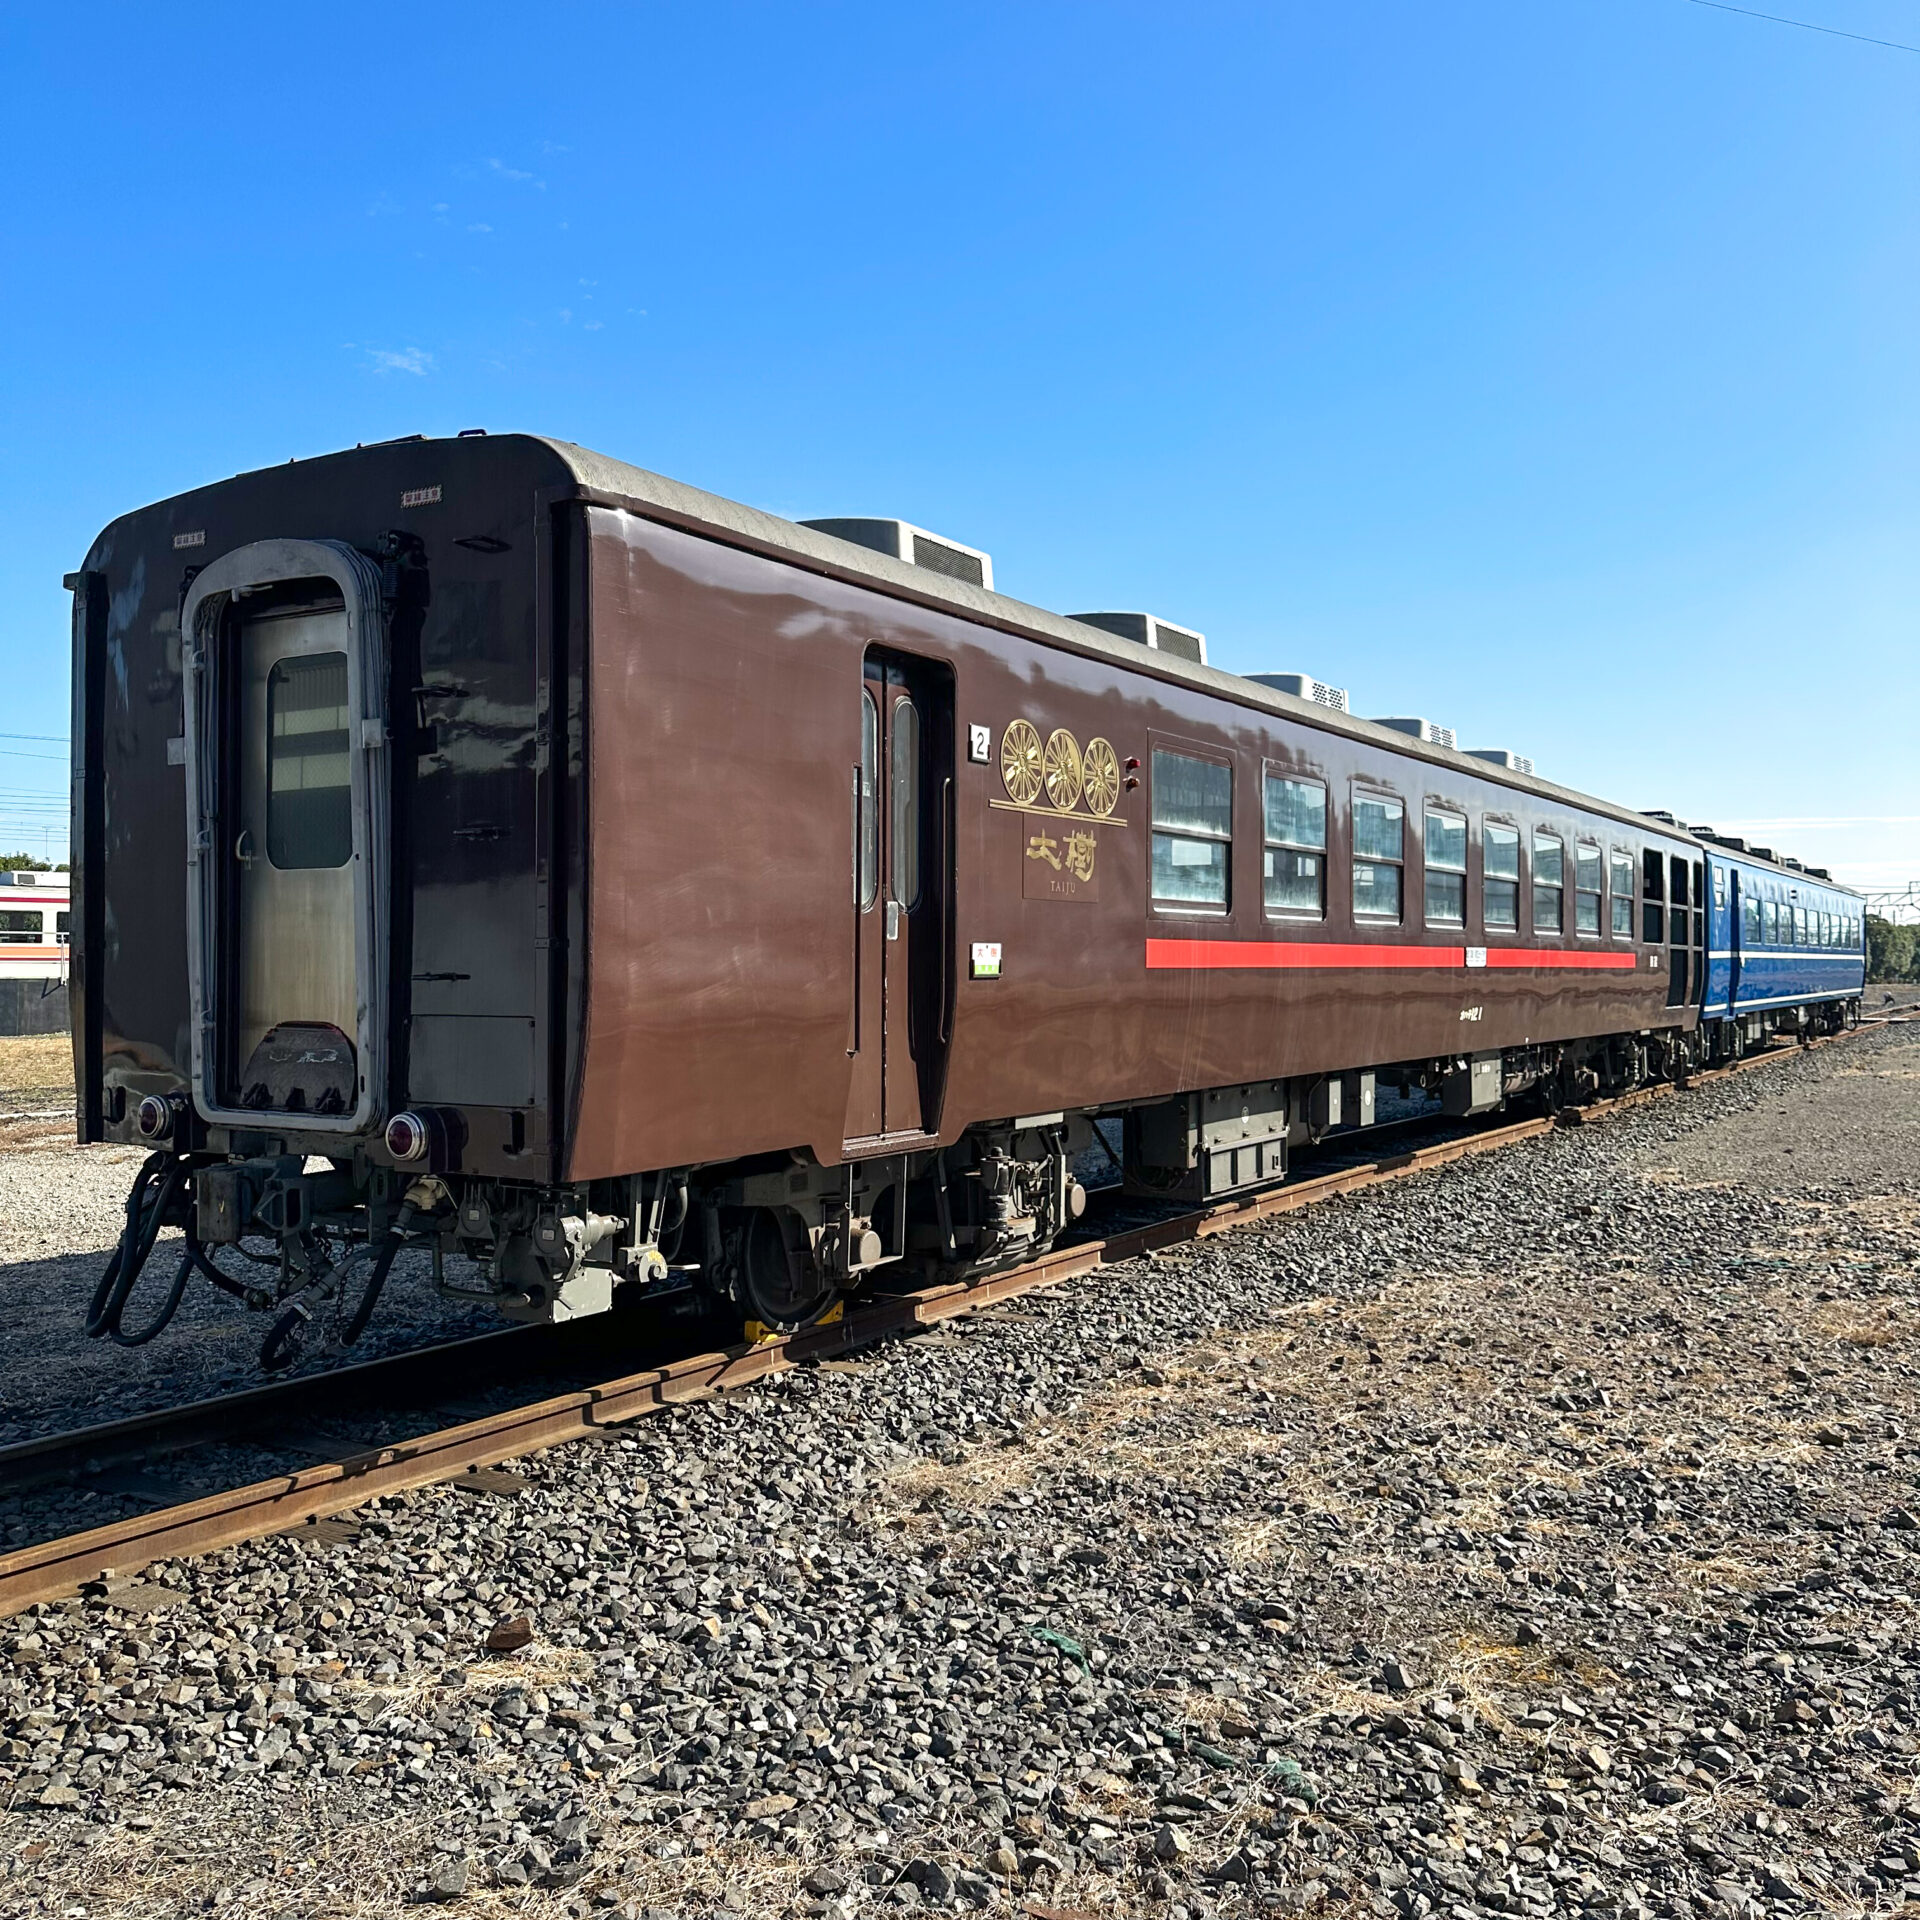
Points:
x=119 y=1455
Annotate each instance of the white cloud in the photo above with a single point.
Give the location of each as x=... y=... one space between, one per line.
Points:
x=479 y=226
x=514 y=173
x=400 y=360
x=593 y=326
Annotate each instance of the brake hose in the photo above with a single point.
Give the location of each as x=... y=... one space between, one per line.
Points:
x=145 y=1215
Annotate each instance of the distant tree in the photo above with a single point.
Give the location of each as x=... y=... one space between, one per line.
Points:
x=1893 y=952
x=23 y=863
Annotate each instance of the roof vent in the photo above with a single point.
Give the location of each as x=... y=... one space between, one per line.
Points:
x=899 y=540
x=1703 y=833
x=1500 y=757
x=1761 y=853
x=1787 y=860
x=1149 y=630
x=1658 y=813
x=1731 y=841
x=1819 y=873
x=1420 y=729
x=1303 y=686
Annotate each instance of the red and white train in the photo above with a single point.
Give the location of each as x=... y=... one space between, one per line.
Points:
x=34 y=910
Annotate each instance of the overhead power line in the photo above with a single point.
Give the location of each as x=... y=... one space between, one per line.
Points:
x=1806 y=26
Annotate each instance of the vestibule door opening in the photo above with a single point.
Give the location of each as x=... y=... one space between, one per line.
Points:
x=902 y=896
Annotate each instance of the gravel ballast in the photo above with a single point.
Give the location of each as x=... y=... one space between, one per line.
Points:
x=1533 y=1535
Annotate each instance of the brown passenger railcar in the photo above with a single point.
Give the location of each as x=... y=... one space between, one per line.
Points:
x=608 y=879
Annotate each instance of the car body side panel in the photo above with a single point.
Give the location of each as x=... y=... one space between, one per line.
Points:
x=723 y=697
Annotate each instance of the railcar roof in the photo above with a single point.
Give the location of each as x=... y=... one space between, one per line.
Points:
x=613 y=482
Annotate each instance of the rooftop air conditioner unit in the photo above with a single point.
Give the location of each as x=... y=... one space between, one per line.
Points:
x=1762 y=853
x=1658 y=813
x=1819 y=873
x=1731 y=841
x=1149 y=630
x=900 y=540
x=1703 y=833
x=1500 y=757
x=1787 y=860
x=1303 y=686
x=1420 y=729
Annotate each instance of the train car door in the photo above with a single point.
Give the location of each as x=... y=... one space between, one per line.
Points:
x=902 y=897
x=1736 y=938
x=1702 y=943
x=292 y=851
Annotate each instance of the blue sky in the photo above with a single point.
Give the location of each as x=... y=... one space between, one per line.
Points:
x=1547 y=369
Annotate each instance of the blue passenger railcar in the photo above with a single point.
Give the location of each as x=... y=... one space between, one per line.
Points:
x=1778 y=937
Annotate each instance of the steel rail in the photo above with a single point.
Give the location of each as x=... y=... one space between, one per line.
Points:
x=232 y=1418
x=57 y=1568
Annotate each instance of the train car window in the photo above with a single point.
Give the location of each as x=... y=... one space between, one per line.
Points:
x=1586 y=888
x=63 y=928
x=309 y=792
x=1379 y=841
x=1802 y=936
x=1769 y=924
x=904 y=849
x=1446 y=869
x=1653 y=890
x=1500 y=877
x=1622 y=879
x=1719 y=886
x=20 y=929
x=1295 y=869
x=1749 y=921
x=1549 y=883
x=1193 y=827
x=867 y=877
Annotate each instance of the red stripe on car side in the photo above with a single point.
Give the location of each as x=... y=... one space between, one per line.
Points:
x=1227 y=955
x=1557 y=957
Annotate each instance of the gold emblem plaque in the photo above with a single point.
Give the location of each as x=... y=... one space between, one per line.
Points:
x=1056 y=778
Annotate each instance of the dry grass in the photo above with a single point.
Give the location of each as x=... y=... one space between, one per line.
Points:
x=36 y=1063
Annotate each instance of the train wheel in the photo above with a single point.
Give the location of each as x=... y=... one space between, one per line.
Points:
x=1022 y=763
x=1063 y=771
x=779 y=1284
x=1100 y=776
